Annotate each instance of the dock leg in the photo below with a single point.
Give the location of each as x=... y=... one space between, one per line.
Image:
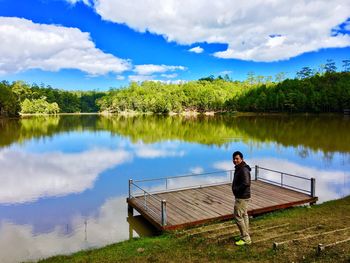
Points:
x=312 y=203
x=131 y=232
x=130 y=210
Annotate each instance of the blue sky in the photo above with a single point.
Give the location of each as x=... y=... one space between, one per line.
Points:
x=98 y=44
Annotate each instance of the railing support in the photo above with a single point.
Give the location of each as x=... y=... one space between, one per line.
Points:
x=130 y=193
x=231 y=176
x=313 y=187
x=164 y=216
x=282 y=179
x=256 y=172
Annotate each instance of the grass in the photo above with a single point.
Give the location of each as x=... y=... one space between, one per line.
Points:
x=177 y=247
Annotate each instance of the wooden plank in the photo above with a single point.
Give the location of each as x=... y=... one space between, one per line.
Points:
x=275 y=194
x=225 y=200
x=191 y=211
x=177 y=210
x=228 y=191
x=192 y=198
x=156 y=215
x=175 y=214
x=201 y=199
x=156 y=206
x=203 y=204
x=278 y=188
x=272 y=197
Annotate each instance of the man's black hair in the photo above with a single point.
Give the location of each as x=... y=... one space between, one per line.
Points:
x=237 y=153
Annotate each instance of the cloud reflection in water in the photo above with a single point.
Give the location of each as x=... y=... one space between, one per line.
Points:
x=18 y=243
x=25 y=177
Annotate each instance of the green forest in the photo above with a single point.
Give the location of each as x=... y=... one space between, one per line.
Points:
x=19 y=97
x=323 y=90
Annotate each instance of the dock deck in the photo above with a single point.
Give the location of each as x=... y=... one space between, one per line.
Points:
x=174 y=209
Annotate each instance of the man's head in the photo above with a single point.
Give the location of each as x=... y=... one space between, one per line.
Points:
x=237 y=158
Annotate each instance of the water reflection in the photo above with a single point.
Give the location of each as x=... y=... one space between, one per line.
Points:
x=56 y=173
x=19 y=242
x=326 y=133
x=27 y=176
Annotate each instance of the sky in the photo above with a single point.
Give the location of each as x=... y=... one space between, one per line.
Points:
x=99 y=44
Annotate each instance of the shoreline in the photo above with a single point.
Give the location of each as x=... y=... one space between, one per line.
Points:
x=184 y=113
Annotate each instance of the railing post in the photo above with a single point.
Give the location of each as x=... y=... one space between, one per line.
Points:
x=313 y=187
x=282 y=179
x=231 y=176
x=130 y=193
x=166 y=183
x=164 y=217
x=256 y=172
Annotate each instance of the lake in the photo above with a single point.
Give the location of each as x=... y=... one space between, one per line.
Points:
x=64 y=179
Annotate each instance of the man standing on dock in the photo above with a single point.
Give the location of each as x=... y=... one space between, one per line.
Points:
x=241 y=191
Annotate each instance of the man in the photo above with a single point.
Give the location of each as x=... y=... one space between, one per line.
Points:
x=241 y=191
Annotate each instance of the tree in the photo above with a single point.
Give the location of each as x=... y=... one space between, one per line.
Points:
x=39 y=106
x=21 y=89
x=305 y=72
x=209 y=78
x=280 y=76
x=346 y=65
x=251 y=78
x=9 y=104
x=330 y=66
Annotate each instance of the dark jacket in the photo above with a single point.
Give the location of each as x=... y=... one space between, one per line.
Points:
x=241 y=181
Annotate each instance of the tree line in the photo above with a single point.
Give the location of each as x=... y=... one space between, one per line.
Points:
x=312 y=90
x=321 y=90
x=20 y=97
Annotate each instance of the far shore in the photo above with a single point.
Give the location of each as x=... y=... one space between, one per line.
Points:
x=183 y=113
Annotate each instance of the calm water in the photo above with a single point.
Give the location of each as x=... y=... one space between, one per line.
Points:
x=64 y=180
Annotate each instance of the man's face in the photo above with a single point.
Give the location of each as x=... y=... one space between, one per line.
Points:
x=237 y=159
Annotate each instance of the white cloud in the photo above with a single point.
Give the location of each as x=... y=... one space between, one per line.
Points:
x=120 y=77
x=148 y=151
x=140 y=78
x=146 y=73
x=196 y=49
x=197 y=170
x=246 y=26
x=169 y=76
x=225 y=72
x=26 y=177
x=174 y=81
x=26 y=45
x=73 y=2
x=149 y=69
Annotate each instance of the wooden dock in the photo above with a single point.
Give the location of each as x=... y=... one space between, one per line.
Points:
x=178 y=208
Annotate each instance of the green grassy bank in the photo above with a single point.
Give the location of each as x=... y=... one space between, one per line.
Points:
x=192 y=246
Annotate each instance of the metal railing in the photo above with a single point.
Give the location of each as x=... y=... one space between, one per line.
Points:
x=163 y=204
x=281 y=182
x=148 y=195
x=166 y=180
